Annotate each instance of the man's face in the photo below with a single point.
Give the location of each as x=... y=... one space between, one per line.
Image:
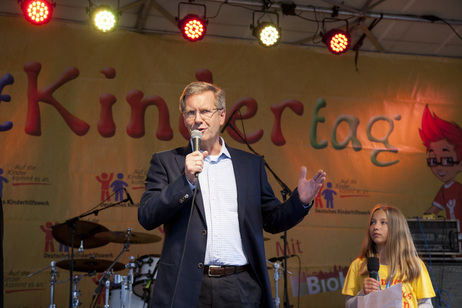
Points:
x=204 y=116
x=443 y=160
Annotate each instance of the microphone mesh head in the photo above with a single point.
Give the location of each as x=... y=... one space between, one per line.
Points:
x=196 y=134
x=373 y=264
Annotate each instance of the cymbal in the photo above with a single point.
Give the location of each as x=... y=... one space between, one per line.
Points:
x=89 y=265
x=124 y=237
x=84 y=231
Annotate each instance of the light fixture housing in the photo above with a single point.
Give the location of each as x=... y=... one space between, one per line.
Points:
x=192 y=26
x=337 y=40
x=267 y=33
x=37 y=12
x=104 y=18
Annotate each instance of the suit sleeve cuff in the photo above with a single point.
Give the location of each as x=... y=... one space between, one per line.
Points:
x=192 y=186
x=309 y=205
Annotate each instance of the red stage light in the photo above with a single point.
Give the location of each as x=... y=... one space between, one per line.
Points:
x=37 y=12
x=337 y=41
x=193 y=27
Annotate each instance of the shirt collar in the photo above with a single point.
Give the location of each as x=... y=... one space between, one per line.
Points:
x=223 y=151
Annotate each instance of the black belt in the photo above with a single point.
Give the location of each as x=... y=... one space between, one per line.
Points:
x=219 y=271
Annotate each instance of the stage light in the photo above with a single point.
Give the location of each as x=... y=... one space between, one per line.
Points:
x=192 y=26
x=267 y=33
x=103 y=17
x=37 y=12
x=337 y=41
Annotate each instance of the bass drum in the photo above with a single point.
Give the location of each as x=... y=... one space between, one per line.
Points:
x=146 y=273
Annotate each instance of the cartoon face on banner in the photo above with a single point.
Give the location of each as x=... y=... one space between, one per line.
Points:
x=443 y=140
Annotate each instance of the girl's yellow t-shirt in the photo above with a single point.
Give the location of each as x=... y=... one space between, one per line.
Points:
x=412 y=291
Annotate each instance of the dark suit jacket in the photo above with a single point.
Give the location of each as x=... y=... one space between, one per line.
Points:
x=167 y=200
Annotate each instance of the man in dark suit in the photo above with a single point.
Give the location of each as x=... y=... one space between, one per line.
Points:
x=214 y=205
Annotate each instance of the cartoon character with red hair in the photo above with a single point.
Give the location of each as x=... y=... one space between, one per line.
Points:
x=443 y=141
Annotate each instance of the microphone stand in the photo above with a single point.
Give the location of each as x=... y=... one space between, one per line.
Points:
x=284 y=192
x=72 y=223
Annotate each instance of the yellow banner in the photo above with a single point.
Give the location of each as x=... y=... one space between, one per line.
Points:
x=81 y=113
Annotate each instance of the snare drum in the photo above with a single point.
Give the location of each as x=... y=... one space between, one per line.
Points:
x=146 y=273
x=121 y=297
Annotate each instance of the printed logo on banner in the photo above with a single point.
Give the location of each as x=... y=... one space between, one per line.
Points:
x=329 y=195
x=318 y=282
x=116 y=187
x=49 y=239
x=346 y=188
x=22 y=175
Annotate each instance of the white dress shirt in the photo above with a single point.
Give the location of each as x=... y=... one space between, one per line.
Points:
x=219 y=194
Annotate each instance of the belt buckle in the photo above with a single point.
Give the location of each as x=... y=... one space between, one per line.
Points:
x=210 y=274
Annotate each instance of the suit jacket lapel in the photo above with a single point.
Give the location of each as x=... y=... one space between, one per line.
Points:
x=239 y=175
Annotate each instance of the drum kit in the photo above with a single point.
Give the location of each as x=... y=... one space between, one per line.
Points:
x=133 y=290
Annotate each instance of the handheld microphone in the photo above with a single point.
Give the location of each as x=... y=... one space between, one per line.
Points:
x=275 y=259
x=196 y=137
x=128 y=197
x=373 y=266
x=228 y=121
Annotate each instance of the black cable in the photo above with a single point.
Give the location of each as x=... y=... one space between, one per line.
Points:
x=284 y=192
x=185 y=241
x=433 y=18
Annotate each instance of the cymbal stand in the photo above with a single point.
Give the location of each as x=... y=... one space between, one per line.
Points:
x=75 y=295
x=277 y=275
x=55 y=274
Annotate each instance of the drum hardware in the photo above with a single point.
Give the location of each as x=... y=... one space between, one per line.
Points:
x=55 y=274
x=75 y=230
x=66 y=233
x=126 y=236
x=75 y=295
x=106 y=299
x=125 y=295
x=122 y=295
x=277 y=275
x=146 y=273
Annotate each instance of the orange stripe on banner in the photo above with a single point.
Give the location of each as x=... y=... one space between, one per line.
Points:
x=19 y=184
x=22 y=290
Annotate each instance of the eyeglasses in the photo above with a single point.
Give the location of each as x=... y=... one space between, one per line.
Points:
x=444 y=161
x=205 y=113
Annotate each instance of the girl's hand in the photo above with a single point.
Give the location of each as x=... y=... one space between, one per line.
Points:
x=370 y=285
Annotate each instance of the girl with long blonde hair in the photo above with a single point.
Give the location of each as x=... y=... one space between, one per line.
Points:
x=388 y=238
